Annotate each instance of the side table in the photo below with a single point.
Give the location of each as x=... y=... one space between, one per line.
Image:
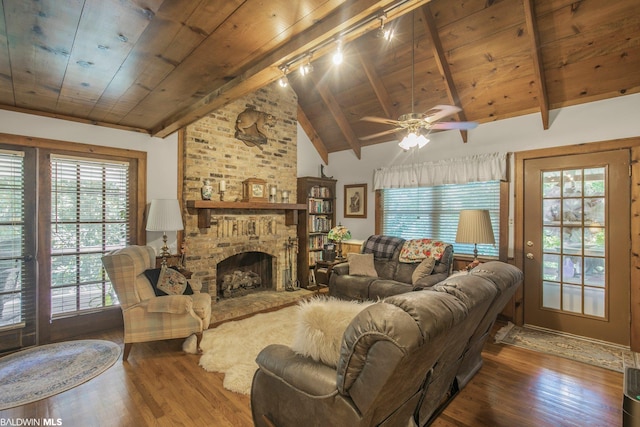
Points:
x=173 y=261
x=323 y=271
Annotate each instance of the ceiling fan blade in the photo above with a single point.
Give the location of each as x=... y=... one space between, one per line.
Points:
x=379 y=134
x=439 y=112
x=453 y=125
x=380 y=120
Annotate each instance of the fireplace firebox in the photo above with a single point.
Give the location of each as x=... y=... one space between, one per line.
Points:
x=244 y=273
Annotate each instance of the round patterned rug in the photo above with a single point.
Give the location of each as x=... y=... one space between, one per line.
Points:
x=40 y=372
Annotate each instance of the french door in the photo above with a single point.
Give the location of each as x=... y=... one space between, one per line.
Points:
x=577 y=243
x=18 y=294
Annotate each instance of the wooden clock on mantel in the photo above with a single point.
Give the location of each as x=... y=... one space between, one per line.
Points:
x=254 y=190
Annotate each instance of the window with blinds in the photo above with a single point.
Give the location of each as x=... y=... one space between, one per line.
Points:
x=433 y=212
x=13 y=307
x=90 y=211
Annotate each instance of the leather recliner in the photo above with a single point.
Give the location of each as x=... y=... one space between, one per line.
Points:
x=399 y=358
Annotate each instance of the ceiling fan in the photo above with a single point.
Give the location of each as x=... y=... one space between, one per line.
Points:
x=418 y=125
x=421 y=123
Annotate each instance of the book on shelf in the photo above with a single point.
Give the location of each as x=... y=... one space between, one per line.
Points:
x=317 y=241
x=322 y=192
x=319 y=223
x=320 y=206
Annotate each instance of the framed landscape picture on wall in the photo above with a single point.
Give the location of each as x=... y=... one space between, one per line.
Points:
x=355 y=201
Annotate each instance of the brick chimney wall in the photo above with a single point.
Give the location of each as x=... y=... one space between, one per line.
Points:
x=212 y=152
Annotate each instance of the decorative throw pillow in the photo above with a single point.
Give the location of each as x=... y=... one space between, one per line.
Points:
x=415 y=250
x=423 y=270
x=172 y=281
x=362 y=265
x=321 y=325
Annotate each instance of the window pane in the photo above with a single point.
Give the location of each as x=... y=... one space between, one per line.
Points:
x=572 y=298
x=90 y=217
x=551 y=295
x=594 y=302
x=433 y=212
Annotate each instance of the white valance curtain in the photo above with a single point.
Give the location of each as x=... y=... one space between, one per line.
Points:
x=478 y=168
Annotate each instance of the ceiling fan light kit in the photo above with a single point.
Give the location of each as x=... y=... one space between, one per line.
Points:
x=413 y=140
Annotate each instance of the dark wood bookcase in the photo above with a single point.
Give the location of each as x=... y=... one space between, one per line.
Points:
x=319 y=194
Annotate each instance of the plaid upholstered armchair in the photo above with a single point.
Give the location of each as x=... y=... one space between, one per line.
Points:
x=148 y=317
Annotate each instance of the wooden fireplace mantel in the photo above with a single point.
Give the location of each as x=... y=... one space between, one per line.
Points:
x=204 y=208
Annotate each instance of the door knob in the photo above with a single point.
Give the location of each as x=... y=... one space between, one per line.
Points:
x=529 y=243
x=530 y=255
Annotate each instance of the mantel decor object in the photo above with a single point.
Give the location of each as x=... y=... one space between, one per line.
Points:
x=206 y=190
x=254 y=190
x=272 y=193
x=252 y=127
x=222 y=188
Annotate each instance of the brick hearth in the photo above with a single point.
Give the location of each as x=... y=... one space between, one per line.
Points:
x=234 y=308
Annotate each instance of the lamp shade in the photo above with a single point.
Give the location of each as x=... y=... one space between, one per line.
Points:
x=474 y=226
x=164 y=215
x=339 y=233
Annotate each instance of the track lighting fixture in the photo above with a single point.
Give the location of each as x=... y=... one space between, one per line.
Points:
x=338 y=57
x=304 y=65
x=283 y=81
x=384 y=33
x=306 y=68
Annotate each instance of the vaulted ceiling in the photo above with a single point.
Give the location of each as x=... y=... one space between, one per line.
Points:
x=155 y=66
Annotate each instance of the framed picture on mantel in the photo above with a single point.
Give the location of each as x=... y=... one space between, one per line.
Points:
x=355 y=201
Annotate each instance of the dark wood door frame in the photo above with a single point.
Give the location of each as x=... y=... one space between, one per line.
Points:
x=633 y=144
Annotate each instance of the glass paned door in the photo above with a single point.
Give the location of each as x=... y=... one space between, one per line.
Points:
x=574 y=233
x=18 y=321
x=576 y=229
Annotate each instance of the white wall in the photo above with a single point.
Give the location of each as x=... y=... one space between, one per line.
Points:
x=596 y=121
x=162 y=164
x=309 y=160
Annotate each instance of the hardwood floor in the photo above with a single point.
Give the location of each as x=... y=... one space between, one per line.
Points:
x=162 y=386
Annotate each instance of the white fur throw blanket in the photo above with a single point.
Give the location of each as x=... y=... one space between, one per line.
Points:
x=320 y=326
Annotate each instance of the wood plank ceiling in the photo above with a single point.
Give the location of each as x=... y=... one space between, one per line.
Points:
x=155 y=66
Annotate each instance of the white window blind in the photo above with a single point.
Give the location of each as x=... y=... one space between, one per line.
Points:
x=13 y=307
x=89 y=217
x=432 y=212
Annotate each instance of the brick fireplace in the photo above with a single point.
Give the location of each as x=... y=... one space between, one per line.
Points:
x=212 y=152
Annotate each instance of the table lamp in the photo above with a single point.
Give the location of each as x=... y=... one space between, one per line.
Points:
x=338 y=234
x=474 y=226
x=164 y=215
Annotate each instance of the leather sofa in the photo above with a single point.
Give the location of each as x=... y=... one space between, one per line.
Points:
x=394 y=276
x=401 y=359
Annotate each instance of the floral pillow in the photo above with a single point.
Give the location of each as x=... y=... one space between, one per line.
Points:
x=416 y=250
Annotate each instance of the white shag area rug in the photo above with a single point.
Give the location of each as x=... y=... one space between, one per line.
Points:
x=232 y=347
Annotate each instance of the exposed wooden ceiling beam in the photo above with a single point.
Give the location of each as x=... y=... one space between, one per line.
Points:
x=338 y=114
x=265 y=70
x=443 y=65
x=313 y=135
x=378 y=87
x=543 y=99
